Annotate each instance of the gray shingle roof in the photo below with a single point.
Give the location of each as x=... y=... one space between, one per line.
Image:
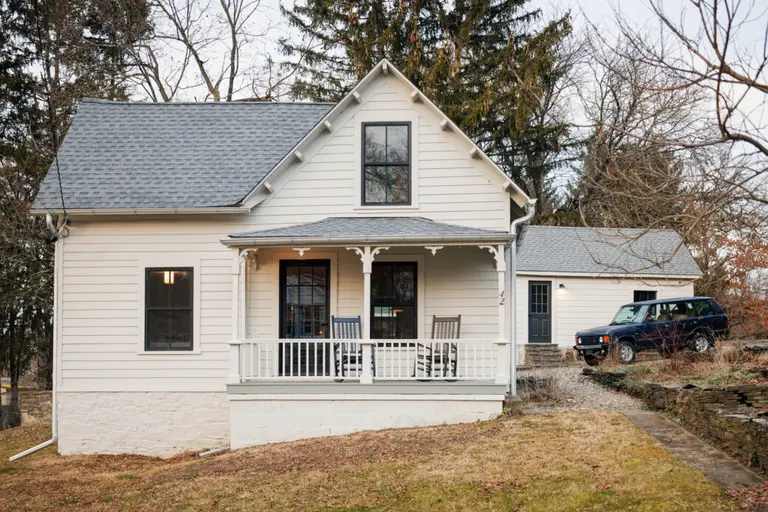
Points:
x=374 y=228
x=593 y=251
x=173 y=155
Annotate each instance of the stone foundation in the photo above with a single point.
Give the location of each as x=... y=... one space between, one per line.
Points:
x=735 y=418
x=159 y=424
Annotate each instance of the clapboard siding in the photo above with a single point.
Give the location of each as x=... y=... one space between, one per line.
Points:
x=103 y=259
x=589 y=302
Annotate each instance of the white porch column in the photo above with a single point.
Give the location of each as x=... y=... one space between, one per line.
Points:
x=367 y=255
x=234 y=345
x=502 y=349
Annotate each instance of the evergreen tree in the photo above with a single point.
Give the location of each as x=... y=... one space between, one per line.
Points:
x=52 y=54
x=483 y=62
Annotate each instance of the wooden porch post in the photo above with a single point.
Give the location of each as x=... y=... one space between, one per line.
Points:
x=367 y=375
x=502 y=351
x=367 y=255
x=234 y=346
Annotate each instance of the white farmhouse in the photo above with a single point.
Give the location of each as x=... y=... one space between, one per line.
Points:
x=242 y=273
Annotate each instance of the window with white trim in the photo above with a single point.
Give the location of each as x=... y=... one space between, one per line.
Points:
x=168 y=309
x=386 y=164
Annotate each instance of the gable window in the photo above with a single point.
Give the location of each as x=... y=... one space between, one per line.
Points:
x=168 y=304
x=386 y=163
x=643 y=295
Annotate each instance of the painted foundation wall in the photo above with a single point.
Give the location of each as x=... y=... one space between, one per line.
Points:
x=269 y=419
x=156 y=424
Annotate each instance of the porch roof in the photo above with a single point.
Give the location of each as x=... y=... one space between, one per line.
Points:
x=373 y=230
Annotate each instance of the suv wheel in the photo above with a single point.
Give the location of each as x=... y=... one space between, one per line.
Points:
x=626 y=352
x=700 y=342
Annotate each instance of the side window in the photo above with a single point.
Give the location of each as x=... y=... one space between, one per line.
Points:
x=704 y=308
x=651 y=316
x=168 y=304
x=643 y=295
x=682 y=310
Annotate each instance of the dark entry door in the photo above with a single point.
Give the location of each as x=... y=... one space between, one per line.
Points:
x=540 y=311
x=305 y=315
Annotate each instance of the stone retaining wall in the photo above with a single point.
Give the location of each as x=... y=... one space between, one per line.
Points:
x=36 y=404
x=733 y=417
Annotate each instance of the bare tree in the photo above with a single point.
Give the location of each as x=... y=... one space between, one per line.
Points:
x=217 y=47
x=716 y=50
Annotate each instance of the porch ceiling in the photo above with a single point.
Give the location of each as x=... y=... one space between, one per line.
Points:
x=340 y=231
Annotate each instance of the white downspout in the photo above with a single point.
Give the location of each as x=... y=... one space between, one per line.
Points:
x=57 y=259
x=530 y=209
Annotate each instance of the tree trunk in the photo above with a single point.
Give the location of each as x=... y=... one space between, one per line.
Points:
x=14 y=405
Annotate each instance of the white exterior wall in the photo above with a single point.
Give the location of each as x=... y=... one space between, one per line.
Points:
x=101 y=312
x=589 y=301
x=266 y=419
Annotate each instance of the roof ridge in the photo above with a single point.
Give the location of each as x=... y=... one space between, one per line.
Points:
x=187 y=103
x=588 y=228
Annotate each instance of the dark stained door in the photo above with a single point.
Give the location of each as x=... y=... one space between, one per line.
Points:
x=540 y=312
x=304 y=314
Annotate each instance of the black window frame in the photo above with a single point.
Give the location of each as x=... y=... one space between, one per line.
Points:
x=364 y=165
x=645 y=293
x=375 y=302
x=190 y=308
x=283 y=272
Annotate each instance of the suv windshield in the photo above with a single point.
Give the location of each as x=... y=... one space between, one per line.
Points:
x=627 y=315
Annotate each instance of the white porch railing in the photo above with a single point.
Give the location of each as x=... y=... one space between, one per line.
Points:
x=334 y=360
x=462 y=359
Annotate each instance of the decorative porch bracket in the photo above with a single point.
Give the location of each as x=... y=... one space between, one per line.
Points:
x=502 y=351
x=433 y=248
x=367 y=256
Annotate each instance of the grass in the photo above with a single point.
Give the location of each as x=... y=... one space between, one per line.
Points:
x=720 y=367
x=562 y=462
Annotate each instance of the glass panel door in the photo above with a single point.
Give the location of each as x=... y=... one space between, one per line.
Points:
x=304 y=314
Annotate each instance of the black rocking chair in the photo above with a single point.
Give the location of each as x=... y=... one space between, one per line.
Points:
x=439 y=359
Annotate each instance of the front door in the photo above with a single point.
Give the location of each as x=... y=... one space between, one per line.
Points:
x=539 y=311
x=304 y=314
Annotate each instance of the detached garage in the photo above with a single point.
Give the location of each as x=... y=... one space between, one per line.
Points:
x=570 y=279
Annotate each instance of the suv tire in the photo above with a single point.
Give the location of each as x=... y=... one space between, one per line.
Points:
x=700 y=342
x=625 y=352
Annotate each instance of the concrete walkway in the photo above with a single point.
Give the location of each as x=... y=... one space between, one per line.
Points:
x=716 y=465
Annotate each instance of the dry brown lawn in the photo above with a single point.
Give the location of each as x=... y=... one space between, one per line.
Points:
x=568 y=461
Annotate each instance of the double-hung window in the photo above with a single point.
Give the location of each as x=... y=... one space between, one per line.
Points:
x=386 y=164
x=168 y=314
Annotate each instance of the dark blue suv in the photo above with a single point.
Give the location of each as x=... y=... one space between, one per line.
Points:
x=667 y=325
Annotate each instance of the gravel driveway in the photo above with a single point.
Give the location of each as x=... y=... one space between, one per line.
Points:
x=582 y=393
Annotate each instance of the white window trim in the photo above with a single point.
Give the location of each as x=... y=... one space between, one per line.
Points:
x=170 y=261
x=377 y=116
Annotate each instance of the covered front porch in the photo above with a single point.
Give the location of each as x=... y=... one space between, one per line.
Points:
x=369 y=322
x=296 y=285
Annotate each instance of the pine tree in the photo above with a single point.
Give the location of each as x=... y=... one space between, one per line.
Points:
x=483 y=62
x=52 y=54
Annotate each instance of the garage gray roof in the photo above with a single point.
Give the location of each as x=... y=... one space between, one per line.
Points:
x=172 y=155
x=597 y=251
x=374 y=229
